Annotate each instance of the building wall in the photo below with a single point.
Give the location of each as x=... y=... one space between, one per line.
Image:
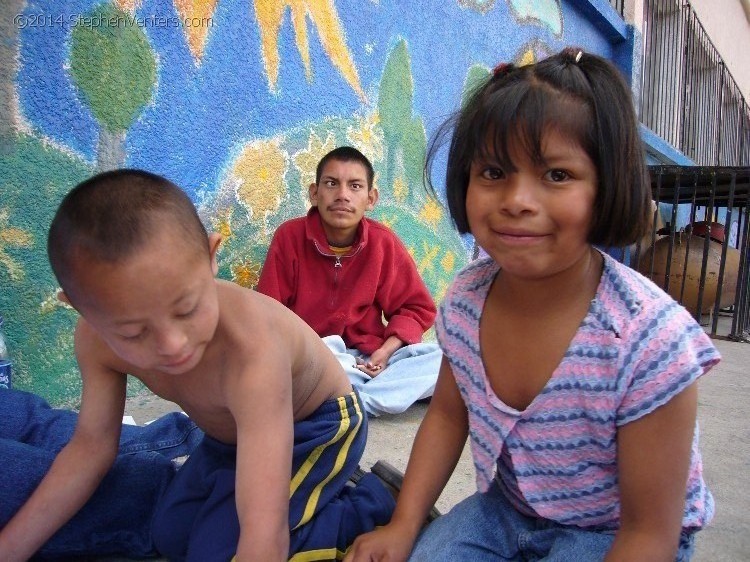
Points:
x=236 y=101
x=726 y=22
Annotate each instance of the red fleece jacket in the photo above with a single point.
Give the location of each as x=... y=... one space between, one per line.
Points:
x=350 y=295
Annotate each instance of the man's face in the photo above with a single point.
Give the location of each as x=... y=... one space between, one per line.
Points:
x=342 y=197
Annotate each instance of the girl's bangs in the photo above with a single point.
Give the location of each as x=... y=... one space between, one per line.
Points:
x=519 y=115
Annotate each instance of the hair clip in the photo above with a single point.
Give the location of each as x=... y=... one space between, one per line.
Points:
x=578 y=56
x=501 y=69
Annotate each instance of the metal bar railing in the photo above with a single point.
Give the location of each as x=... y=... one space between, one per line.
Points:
x=688 y=96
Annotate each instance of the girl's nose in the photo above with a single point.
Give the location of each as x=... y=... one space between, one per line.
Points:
x=519 y=196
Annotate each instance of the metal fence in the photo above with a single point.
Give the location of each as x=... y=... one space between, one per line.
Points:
x=699 y=247
x=688 y=97
x=618 y=5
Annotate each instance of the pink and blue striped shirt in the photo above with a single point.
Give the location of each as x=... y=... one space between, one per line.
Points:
x=557 y=459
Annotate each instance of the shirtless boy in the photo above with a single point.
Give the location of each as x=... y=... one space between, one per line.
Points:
x=284 y=430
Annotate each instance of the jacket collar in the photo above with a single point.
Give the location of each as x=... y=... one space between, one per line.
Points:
x=315 y=233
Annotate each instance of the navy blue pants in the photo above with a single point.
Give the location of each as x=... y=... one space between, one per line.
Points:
x=117 y=518
x=196 y=519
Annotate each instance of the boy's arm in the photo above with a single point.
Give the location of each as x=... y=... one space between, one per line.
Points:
x=436 y=450
x=653 y=455
x=261 y=403
x=78 y=468
x=278 y=276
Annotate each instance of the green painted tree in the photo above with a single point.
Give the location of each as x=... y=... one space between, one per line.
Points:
x=114 y=67
x=475 y=77
x=395 y=106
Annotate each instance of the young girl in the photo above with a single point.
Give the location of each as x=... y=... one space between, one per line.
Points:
x=573 y=376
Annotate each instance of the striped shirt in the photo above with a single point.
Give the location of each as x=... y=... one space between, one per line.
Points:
x=635 y=350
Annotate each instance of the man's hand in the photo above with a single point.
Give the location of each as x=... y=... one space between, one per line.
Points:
x=379 y=358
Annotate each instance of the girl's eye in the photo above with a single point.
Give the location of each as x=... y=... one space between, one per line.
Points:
x=557 y=175
x=492 y=174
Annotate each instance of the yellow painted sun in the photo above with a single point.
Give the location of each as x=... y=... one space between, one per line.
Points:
x=196 y=17
x=323 y=15
x=12 y=237
x=128 y=6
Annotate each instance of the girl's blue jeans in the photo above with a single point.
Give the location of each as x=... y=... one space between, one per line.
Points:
x=117 y=519
x=486 y=527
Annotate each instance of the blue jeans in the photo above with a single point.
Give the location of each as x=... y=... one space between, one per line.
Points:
x=410 y=375
x=117 y=518
x=486 y=527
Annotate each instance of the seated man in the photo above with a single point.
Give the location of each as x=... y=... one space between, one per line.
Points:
x=343 y=273
x=117 y=518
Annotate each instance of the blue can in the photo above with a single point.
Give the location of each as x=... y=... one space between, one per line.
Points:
x=5 y=377
x=5 y=364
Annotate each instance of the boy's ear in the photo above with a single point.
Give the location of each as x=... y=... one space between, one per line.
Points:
x=312 y=192
x=372 y=197
x=214 y=241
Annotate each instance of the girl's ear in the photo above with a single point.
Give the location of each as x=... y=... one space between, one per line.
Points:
x=214 y=241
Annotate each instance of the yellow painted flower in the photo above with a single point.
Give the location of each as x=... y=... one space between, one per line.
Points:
x=12 y=237
x=368 y=137
x=526 y=57
x=259 y=174
x=400 y=189
x=246 y=274
x=52 y=303
x=431 y=213
x=223 y=224
x=389 y=220
x=306 y=160
x=448 y=262
x=428 y=257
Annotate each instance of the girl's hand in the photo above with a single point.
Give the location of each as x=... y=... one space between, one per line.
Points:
x=387 y=544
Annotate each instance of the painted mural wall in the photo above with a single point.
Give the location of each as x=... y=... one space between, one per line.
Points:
x=235 y=101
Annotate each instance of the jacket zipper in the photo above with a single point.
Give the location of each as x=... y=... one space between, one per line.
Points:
x=337 y=265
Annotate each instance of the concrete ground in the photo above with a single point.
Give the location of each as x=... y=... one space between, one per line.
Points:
x=724 y=414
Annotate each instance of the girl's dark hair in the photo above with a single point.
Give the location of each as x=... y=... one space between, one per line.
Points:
x=580 y=95
x=111 y=215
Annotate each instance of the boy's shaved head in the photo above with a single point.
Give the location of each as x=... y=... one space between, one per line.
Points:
x=110 y=216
